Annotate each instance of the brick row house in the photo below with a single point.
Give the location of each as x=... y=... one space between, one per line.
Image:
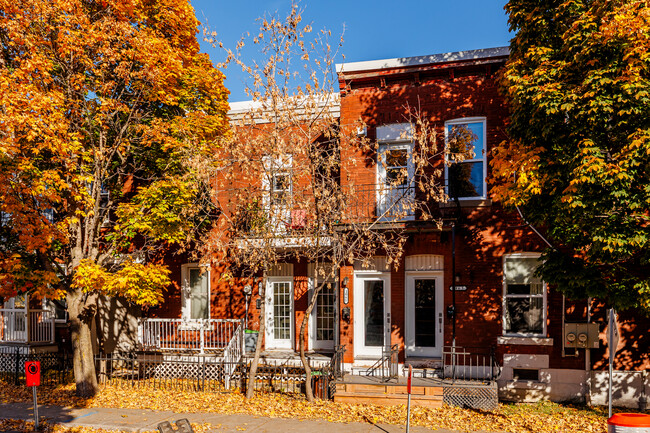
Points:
x=465 y=278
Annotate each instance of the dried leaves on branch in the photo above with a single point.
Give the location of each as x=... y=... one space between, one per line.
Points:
x=288 y=187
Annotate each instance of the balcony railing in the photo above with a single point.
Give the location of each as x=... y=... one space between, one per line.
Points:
x=197 y=335
x=26 y=326
x=349 y=204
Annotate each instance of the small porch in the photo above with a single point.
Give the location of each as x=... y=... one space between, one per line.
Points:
x=27 y=330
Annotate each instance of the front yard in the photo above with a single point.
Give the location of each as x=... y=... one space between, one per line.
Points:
x=513 y=418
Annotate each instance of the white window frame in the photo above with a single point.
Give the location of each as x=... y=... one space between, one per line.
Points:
x=280 y=216
x=543 y=295
x=394 y=136
x=483 y=157
x=186 y=304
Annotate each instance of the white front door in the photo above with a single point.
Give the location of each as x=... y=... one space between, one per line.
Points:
x=424 y=318
x=279 y=313
x=195 y=303
x=323 y=318
x=371 y=313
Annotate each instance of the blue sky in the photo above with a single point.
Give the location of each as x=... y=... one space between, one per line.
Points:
x=377 y=29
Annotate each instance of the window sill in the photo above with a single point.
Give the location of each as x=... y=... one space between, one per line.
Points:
x=477 y=202
x=525 y=341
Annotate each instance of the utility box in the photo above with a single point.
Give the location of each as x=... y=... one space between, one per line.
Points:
x=581 y=335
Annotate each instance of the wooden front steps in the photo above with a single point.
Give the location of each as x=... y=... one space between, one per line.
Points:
x=388 y=394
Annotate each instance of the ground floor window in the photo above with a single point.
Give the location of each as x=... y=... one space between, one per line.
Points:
x=524 y=299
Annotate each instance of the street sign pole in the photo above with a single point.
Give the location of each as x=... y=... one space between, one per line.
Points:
x=35 y=409
x=408 y=402
x=33 y=379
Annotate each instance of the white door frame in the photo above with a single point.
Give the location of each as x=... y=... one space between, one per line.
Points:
x=360 y=349
x=409 y=314
x=314 y=344
x=271 y=342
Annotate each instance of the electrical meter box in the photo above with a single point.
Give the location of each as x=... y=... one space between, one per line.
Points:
x=581 y=335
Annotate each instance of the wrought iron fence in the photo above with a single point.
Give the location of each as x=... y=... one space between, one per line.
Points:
x=56 y=368
x=204 y=373
x=469 y=363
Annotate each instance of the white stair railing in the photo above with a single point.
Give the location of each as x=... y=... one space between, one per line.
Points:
x=233 y=353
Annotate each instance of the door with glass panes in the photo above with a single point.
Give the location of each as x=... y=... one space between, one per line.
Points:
x=279 y=313
x=323 y=318
x=424 y=314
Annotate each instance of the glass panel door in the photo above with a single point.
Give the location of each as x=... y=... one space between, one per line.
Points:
x=199 y=294
x=423 y=313
x=325 y=315
x=371 y=314
x=279 y=314
x=374 y=313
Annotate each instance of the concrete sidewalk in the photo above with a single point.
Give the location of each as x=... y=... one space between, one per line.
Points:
x=135 y=420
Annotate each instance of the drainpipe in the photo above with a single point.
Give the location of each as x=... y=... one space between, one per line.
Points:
x=453 y=286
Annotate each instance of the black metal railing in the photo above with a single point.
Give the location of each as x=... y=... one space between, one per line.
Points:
x=386 y=367
x=204 y=373
x=56 y=368
x=470 y=363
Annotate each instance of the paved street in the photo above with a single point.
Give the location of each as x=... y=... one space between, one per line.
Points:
x=135 y=420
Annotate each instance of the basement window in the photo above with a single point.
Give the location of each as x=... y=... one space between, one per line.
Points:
x=525 y=374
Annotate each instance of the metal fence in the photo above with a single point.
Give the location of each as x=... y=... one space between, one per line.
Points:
x=56 y=368
x=470 y=363
x=204 y=373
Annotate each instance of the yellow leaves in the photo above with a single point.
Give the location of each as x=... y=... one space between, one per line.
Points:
x=138 y=283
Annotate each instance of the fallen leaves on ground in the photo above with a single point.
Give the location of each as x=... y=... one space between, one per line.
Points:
x=544 y=417
x=45 y=427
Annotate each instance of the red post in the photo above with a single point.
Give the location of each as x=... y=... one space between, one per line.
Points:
x=33 y=379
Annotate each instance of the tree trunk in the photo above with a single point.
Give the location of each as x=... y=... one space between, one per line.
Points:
x=250 y=388
x=80 y=318
x=309 y=393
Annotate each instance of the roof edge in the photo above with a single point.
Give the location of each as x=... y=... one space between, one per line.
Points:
x=402 y=62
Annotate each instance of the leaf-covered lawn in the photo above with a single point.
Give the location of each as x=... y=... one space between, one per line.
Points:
x=514 y=418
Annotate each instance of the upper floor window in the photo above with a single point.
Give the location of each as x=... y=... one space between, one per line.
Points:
x=278 y=179
x=524 y=296
x=465 y=141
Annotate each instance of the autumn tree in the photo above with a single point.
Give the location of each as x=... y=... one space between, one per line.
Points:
x=578 y=157
x=108 y=118
x=284 y=191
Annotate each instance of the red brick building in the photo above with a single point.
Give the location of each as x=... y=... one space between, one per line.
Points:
x=546 y=346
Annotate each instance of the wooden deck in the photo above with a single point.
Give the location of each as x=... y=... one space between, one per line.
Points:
x=361 y=389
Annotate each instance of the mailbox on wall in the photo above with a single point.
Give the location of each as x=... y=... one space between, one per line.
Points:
x=581 y=335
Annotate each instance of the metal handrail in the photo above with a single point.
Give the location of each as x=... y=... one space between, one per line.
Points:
x=387 y=363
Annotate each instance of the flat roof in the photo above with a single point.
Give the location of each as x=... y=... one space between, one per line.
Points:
x=402 y=62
